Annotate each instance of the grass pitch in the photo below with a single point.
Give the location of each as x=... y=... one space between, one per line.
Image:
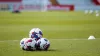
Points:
x=67 y=32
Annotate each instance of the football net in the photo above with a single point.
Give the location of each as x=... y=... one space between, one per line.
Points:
x=33 y=5
x=39 y=5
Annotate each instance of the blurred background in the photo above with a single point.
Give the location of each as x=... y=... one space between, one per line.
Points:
x=46 y=5
x=72 y=18
x=66 y=23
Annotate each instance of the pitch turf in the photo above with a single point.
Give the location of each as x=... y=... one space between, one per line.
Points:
x=61 y=28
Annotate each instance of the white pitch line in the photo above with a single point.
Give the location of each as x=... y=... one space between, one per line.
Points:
x=9 y=40
x=74 y=39
x=49 y=39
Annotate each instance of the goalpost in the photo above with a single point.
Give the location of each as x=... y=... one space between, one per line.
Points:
x=30 y=5
x=34 y=5
x=44 y=5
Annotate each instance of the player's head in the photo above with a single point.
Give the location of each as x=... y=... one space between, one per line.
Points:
x=36 y=33
x=43 y=44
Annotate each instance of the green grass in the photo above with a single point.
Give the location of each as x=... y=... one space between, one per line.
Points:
x=58 y=47
x=56 y=26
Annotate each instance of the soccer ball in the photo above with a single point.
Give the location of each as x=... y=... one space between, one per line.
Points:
x=22 y=43
x=35 y=33
x=43 y=44
x=30 y=44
